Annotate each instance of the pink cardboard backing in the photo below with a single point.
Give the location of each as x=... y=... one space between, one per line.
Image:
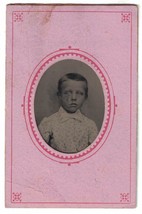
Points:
x=104 y=38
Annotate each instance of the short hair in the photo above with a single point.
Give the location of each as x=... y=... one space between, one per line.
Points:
x=72 y=76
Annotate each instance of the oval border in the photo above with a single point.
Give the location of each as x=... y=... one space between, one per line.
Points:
x=69 y=53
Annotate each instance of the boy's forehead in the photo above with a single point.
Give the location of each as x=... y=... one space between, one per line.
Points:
x=73 y=83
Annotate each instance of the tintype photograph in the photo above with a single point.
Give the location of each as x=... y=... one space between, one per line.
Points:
x=69 y=106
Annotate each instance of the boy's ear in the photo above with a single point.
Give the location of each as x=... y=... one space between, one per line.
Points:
x=58 y=94
x=85 y=98
x=59 y=97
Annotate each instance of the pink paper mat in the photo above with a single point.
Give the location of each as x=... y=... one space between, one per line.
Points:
x=44 y=42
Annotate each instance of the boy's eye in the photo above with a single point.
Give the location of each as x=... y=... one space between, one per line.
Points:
x=69 y=92
x=79 y=93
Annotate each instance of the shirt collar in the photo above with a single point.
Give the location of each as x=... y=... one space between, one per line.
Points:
x=64 y=116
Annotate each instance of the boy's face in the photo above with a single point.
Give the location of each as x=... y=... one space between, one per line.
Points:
x=72 y=95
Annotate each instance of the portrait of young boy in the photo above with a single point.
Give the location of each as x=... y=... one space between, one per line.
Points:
x=68 y=130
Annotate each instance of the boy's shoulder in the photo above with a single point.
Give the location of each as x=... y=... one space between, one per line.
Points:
x=88 y=120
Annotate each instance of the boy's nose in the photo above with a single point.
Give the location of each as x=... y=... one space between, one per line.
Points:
x=73 y=96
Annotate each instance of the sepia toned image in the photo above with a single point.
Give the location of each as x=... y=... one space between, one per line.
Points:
x=69 y=106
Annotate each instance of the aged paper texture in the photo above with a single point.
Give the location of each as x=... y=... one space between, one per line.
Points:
x=71 y=105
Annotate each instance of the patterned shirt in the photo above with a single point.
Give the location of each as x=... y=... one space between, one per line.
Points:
x=68 y=132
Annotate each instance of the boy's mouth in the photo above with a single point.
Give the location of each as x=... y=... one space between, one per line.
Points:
x=73 y=104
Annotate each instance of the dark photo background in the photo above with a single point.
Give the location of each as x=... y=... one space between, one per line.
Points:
x=46 y=101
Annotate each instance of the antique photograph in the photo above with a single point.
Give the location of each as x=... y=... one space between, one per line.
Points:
x=69 y=106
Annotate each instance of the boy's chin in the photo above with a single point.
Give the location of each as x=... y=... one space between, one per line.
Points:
x=71 y=110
